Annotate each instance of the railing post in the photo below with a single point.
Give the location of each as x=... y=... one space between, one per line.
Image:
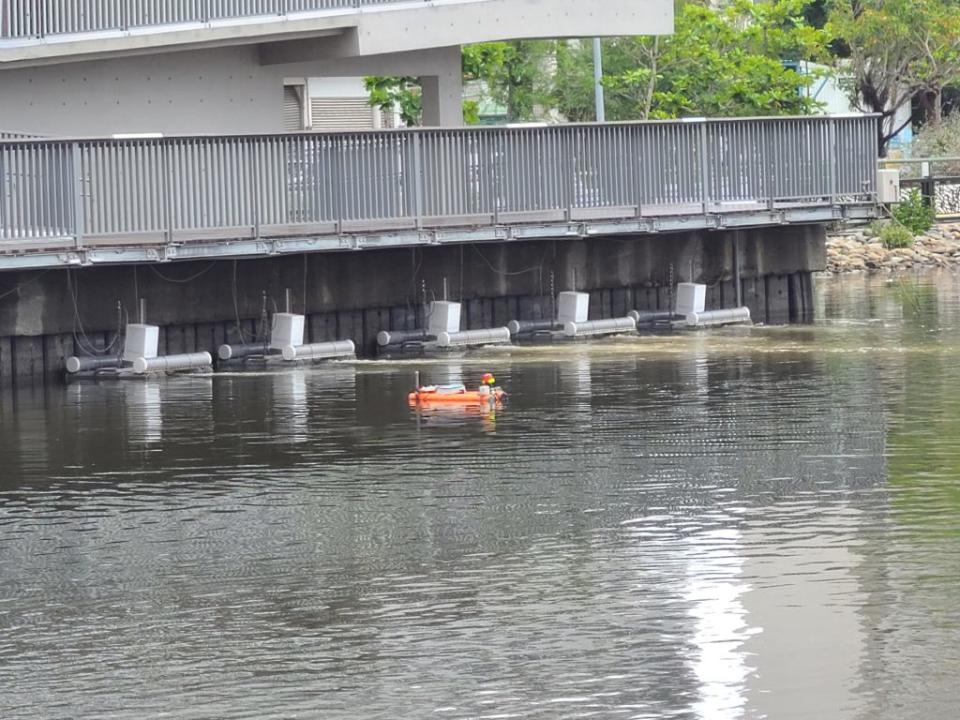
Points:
x=833 y=157
x=570 y=169
x=338 y=182
x=418 y=180
x=769 y=176
x=166 y=148
x=705 y=167
x=498 y=161
x=79 y=214
x=256 y=205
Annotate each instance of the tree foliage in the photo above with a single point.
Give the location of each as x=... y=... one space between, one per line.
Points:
x=738 y=59
x=719 y=62
x=402 y=93
x=896 y=50
x=516 y=75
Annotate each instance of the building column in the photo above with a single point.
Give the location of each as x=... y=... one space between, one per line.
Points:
x=443 y=93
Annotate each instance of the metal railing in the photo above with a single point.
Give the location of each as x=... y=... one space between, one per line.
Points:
x=98 y=191
x=45 y=18
x=937 y=179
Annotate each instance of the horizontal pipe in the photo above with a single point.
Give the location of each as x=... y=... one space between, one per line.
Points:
x=487 y=336
x=86 y=364
x=235 y=352
x=719 y=317
x=320 y=351
x=398 y=337
x=171 y=363
x=590 y=328
x=649 y=317
x=524 y=327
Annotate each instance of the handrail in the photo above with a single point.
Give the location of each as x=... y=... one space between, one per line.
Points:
x=167 y=190
x=25 y=19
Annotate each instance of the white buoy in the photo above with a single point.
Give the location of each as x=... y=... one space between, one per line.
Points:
x=590 y=328
x=320 y=351
x=170 y=363
x=712 y=318
x=486 y=336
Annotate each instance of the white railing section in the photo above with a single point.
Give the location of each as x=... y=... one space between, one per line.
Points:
x=221 y=188
x=45 y=18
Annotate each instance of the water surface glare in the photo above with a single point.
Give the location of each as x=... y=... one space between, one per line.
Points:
x=745 y=523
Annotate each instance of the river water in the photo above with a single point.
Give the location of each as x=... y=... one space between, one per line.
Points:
x=745 y=523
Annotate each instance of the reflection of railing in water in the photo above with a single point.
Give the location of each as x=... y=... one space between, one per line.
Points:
x=160 y=191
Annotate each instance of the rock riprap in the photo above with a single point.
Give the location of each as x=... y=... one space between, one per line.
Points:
x=858 y=251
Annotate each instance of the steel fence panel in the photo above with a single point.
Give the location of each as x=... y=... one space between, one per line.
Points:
x=184 y=184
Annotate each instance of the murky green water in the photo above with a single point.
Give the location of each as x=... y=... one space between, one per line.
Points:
x=743 y=524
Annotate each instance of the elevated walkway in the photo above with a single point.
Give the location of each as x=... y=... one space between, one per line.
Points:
x=34 y=32
x=102 y=201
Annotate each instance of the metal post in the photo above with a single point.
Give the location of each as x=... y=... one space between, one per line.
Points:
x=704 y=167
x=167 y=171
x=598 y=80
x=833 y=153
x=337 y=146
x=928 y=185
x=79 y=216
x=257 y=189
x=417 y=189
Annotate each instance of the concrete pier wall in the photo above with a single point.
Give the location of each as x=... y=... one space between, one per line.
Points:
x=49 y=315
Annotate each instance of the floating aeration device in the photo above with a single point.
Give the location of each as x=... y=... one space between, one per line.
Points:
x=286 y=344
x=442 y=333
x=139 y=356
x=572 y=322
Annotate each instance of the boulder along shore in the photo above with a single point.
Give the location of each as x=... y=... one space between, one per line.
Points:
x=855 y=250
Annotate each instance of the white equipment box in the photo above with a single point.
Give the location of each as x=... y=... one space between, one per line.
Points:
x=573 y=307
x=141 y=342
x=287 y=330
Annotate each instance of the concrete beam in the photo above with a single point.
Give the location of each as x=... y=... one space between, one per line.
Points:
x=378 y=29
x=443 y=93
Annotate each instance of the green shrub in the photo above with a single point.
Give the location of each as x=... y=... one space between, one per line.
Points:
x=913 y=214
x=894 y=235
x=876 y=227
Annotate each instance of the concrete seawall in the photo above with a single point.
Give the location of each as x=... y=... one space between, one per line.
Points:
x=47 y=316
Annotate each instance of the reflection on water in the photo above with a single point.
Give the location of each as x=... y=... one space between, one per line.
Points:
x=744 y=523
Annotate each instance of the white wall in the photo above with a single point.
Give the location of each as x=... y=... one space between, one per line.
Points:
x=217 y=91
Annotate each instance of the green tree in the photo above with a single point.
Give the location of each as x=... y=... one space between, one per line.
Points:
x=514 y=74
x=719 y=62
x=896 y=50
x=403 y=93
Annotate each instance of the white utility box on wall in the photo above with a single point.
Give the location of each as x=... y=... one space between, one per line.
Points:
x=573 y=307
x=444 y=318
x=287 y=330
x=888 y=186
x=141 y=342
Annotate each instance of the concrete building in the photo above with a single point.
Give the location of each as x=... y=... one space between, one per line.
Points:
x=180 y=67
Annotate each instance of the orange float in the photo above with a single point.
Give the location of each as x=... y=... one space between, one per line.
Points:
x=455 y=395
